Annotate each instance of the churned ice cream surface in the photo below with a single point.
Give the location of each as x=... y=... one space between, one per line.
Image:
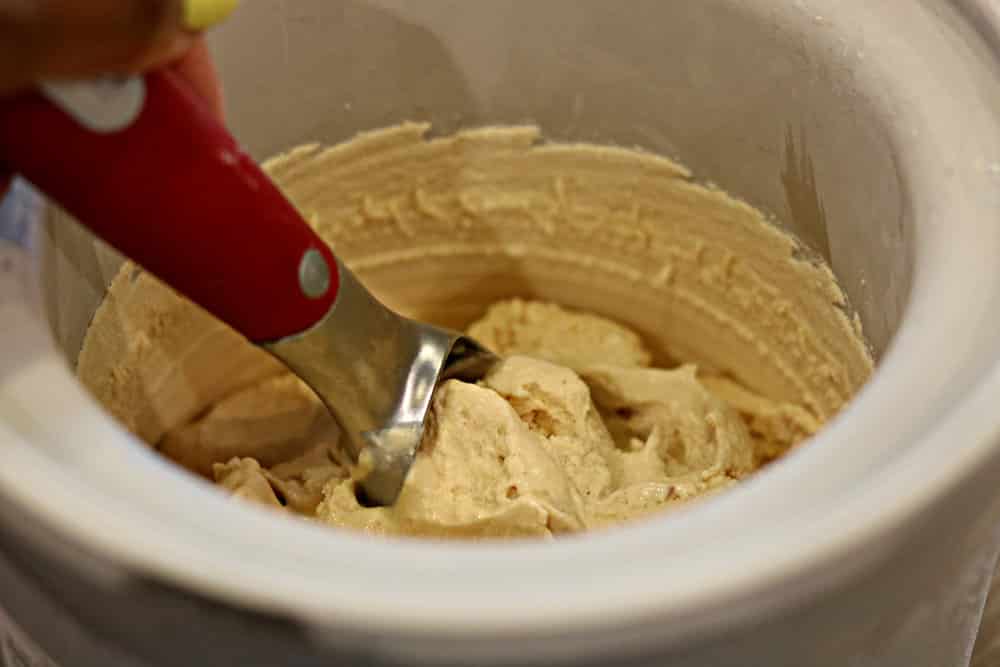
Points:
x=557 y=438
x=539 y=448
x=729 y=346
x=571 y=431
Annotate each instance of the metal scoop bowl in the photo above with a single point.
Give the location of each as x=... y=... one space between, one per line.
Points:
x=377 y=371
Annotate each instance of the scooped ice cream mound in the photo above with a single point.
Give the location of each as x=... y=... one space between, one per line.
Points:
x=571 y=431
x=541 y=447
x=581 y=434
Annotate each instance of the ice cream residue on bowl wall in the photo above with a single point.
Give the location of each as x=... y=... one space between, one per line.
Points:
x=694 y=341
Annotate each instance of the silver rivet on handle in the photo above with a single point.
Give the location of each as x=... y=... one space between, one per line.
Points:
x=314 y=274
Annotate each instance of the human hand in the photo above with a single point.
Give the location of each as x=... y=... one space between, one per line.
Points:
x=72 y=39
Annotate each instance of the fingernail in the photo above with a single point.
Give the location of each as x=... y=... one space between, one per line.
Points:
x=203 y=14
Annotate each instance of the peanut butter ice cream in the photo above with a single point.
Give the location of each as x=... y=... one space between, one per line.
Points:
x=538 y=448
x=727 y=342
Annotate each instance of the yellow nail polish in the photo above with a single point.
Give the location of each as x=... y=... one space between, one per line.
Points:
x=203 y=14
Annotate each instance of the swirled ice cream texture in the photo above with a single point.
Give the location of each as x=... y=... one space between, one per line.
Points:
x=541 y=447
x=725 y=349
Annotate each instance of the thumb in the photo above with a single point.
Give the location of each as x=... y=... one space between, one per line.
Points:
x=60 y=39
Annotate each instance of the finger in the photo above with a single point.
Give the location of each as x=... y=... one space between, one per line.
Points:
x=71 y=39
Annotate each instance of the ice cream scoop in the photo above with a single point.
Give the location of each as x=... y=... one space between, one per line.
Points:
x=145 y=166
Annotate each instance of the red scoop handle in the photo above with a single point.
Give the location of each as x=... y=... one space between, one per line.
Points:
x=169 y=187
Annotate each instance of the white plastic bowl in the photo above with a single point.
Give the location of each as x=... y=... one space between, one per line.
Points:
x=873 y=544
